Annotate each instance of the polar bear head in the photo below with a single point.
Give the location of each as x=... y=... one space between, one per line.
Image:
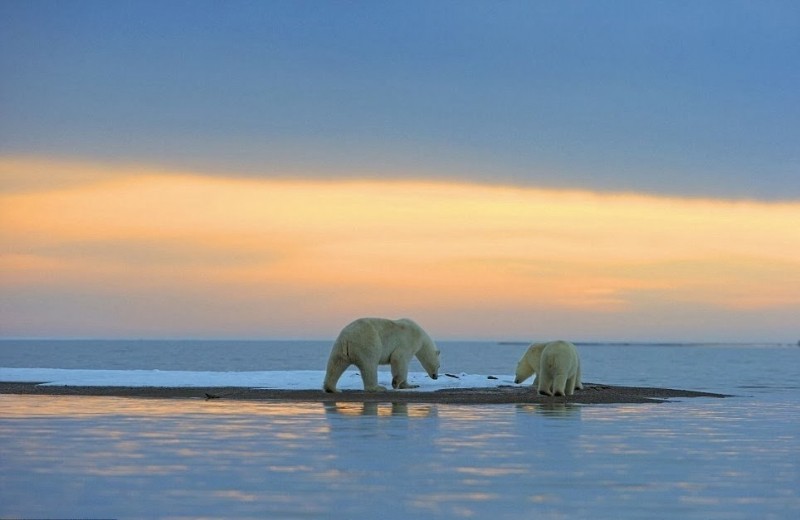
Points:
x=529 y=363
x=428 y=357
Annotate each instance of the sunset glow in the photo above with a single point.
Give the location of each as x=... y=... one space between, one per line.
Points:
x=168 y=251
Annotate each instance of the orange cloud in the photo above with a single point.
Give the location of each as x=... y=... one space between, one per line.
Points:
x=393 y=246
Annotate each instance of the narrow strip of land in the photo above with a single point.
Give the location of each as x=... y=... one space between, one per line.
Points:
x=592 y=393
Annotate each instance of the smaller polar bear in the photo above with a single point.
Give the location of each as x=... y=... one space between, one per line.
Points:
x=556 y=365
x=369 y=342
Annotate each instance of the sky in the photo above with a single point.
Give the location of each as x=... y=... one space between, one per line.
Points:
x=494 y=170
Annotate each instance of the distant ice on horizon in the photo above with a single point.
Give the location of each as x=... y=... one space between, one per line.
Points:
x=286 y=379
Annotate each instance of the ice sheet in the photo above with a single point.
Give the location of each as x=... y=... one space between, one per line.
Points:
x=286 y=379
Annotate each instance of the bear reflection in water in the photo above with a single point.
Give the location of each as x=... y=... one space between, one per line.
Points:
x=553 y=409
x=381 y=409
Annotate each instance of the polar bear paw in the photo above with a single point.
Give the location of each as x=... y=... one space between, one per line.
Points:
x=376 y=388
x=402 y=384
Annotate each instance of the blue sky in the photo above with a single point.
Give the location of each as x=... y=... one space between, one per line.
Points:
x=687 y=98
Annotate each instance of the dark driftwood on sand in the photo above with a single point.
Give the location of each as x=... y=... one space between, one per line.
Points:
x=591 y=394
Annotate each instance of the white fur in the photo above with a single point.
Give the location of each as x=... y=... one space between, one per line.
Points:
x=369 y=342
x=556 y=365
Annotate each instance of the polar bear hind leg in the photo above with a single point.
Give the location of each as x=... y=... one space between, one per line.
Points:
x=337 y=364
x=560 y=384
x=545 y=386
x=369 y=373
x=570 y=388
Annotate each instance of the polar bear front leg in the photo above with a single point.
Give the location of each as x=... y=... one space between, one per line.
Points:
x=400 y=373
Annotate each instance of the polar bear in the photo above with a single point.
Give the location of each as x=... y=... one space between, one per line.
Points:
x=556 y=365
x=369 y=342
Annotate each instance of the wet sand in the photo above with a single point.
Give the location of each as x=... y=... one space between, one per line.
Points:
x=592 y=393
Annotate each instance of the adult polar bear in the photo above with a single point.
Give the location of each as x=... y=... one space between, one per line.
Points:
x=369 y=342
x=556 y=365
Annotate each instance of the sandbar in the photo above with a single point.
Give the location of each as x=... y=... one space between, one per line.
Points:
x=592 y=393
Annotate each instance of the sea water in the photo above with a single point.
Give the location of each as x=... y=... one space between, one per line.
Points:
x=92 y=457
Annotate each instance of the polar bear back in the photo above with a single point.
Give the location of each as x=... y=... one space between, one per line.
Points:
x=559 y=357
x=386 y=335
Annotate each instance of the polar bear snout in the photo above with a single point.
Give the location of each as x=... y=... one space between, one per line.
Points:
x=434 y=375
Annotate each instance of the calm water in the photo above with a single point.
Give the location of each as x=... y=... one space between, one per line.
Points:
x=133 y=458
